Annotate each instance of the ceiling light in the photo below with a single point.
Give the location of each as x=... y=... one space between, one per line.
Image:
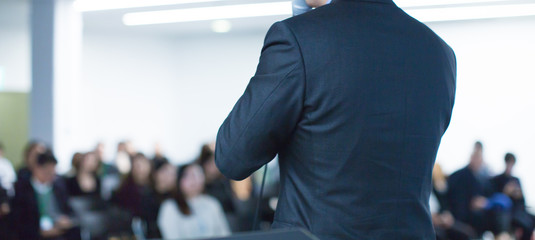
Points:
x=208 y=13
x=470 y=13
x=221 y=26
x=99 y=5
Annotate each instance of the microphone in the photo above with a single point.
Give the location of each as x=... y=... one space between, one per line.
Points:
x=257 y=211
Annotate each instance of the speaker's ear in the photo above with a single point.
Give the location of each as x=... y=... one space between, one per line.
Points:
x=317 y=3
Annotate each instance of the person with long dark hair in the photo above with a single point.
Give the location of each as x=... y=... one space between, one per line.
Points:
x=135 y=185
x=163 y=181
x=189 y=213
x=135 y=194
x=217 y=185
x=85 y=182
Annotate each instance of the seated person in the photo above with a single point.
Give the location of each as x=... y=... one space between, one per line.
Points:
x=470 y=201
x=32 y=150
x=85 y=182
x=135 y=186
x=108 y=173
x=40 y=206
x=135 y=195
x=217 y=185
x=446 y=226
x=5 y=210
x=7 y=173
x=189 y=213
x=163 y=182
x=509 y=185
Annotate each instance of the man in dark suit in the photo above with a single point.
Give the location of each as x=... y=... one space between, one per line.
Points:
x=510 y=185
x=41 y=209
x=354 y=97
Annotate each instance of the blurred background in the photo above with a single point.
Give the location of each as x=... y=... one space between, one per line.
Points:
x=164 y=74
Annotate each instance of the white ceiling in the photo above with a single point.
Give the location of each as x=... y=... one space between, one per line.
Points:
x=15 y=13
x=111 y=21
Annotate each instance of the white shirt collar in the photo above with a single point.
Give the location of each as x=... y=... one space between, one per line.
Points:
x=41 y=188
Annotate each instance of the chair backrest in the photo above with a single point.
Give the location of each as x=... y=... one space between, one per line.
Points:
x=92 y=215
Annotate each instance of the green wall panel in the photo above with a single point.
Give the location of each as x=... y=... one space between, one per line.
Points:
x=14 y=118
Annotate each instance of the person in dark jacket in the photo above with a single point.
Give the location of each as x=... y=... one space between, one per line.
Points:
x=85 y=182
x=217 y=185
x=471 y=200
x=136 y=196
x=446 y=226
x=5 y=210
x=509 y=185
x=354 y=97
x=41 y=209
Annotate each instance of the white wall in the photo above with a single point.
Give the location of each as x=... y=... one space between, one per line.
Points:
x=15 y=59
x=15 y=46
x=175 y=91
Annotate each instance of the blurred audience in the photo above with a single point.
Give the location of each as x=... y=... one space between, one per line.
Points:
x=468 y=198
x=217 y=185
x=33 y=149
x=189 y=213
x=157 y=199
x=484 y=170
x=5 y=211
x=122 y=159
x=446 y=226
x=135 y=194
x=75 y=161
x=41 y=209
x=135 y=186
x=109 y=175
x=85 y=182
x=509 y=185
x=7 y=173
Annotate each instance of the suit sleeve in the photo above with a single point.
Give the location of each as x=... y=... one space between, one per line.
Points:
x=264 y=118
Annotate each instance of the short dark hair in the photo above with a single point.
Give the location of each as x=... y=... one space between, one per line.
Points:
x=509 y=157
x=478 y=144
x=139 y=155
x=159 y=162
x=46 y=158
x=206 y=155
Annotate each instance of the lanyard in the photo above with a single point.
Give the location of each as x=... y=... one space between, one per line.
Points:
x=43 y=200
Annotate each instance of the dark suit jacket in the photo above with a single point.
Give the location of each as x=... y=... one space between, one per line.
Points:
x=354 y=97
x=26 y=212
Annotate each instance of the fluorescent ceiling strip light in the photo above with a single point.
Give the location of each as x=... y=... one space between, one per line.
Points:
x=471 y=13
x=429 y=3
x=208 y=13
x=99 y=5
